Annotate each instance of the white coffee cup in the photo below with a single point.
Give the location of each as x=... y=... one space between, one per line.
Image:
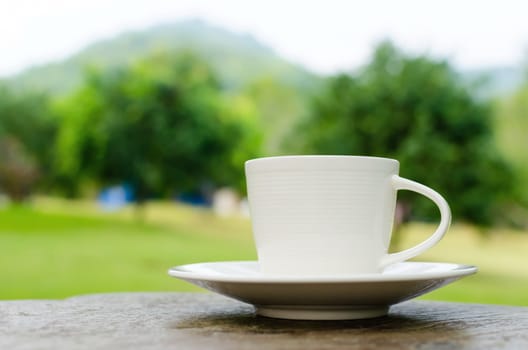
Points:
x=329 y=215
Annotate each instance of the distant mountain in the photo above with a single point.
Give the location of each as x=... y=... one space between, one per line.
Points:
x=236 y=58
x=494 y=81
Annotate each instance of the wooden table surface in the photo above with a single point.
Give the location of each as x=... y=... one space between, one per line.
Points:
x=207 y=321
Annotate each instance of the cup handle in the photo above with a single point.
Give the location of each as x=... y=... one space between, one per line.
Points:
x=399 y=183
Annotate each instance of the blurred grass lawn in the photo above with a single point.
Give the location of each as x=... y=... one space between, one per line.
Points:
x=56 y=248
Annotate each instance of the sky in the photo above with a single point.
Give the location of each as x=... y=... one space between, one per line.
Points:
x=325 y=36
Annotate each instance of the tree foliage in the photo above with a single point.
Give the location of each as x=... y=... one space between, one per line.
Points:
x=278 y=107
x=511 y=123
x=26 y=128
x=161 y=125
x=18 y=171
x=413 y=109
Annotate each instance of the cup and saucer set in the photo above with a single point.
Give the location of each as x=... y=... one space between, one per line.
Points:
x=322 y=227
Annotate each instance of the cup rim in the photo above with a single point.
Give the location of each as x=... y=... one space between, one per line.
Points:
x=329 y=162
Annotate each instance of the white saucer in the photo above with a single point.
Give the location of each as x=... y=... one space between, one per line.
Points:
x=321 y=298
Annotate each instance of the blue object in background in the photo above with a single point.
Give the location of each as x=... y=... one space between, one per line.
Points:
x=195 y=199
x=115 y=197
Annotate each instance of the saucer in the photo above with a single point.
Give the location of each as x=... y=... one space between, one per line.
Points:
x=337 y=297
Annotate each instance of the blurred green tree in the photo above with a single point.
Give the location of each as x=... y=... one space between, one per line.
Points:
x=161 y=125
x=18 y=171
x=511 y=121
x=26 y=128
x=278 y=108
x=413 y=109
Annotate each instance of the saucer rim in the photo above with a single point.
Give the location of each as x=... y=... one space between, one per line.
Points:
x=455 y=271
